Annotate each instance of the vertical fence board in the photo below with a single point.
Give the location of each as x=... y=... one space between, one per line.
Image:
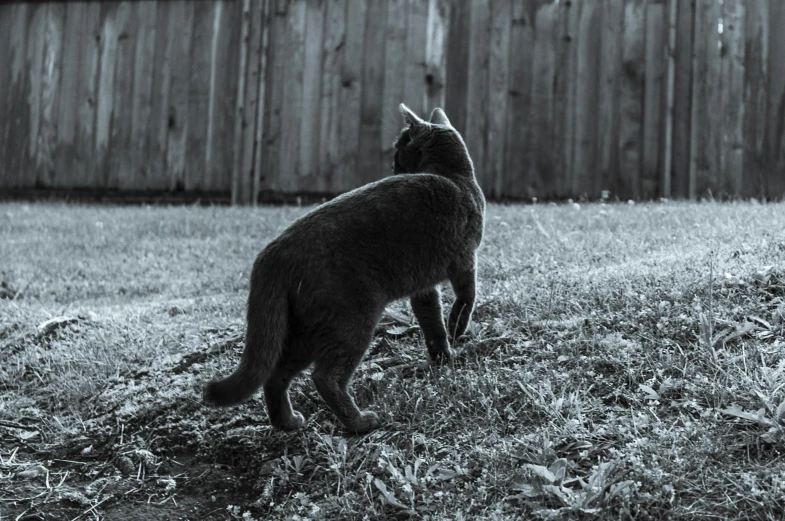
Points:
x=394 y=59
x=653 y=106
x=706 y=98
x=142 y=97
x=774 y=182
x=217 y=161
x=682 y=101
x=630 y=98
x=17 y=121
x=756 y=35
x=587 y=81
x=35 y=61
x=543 y=99
x=312 y=74
x=67 y=104
x=260 y=108
x=89 y=69
x=457 y=59
x=476 y=133
x=248 y=108
x=414 y=68
x=333 y=49
x=6 y=58
x=156 y=162
x=611 y=48
x=118 y=174
x=369 y=161
x=200 y=58
x=181 y=22
x=519 y=128
x=291 y=111
x=105 y=94
x=498 y=77
x=565 y=91
x=435 y=60
x=732 y=80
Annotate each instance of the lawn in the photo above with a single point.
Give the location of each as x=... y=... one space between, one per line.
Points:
x=625 y=362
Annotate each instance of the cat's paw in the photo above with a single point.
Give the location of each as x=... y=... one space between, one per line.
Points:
x=367 y=421
x=441 y=357
x=291 y=423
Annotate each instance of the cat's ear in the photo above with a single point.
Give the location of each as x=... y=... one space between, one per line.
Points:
x=438 y=117
x=410 y=117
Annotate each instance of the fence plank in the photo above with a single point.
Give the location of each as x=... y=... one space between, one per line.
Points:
x=73 y=41
x=775 y=178
x=369 y=160
x=218 y=162
x=543 y=99
x=312 y=96
x=732 y=80
x=89 y=71
x=457 y=72
x=756 y=60
x=118 y=174
x=333 y=50
x=260 y=105
x=565 y=92
x=350 y=96
x=6 y=57
x=653 y=106
x=498 y=78
x=200 y=59
x=158 y=178
x=181 y=23
x=250 y=106
x=586 y=81
x=35 y=66
x=476 y=133
x=435 y=59
x=291 y=111
x=612 y=45
x=394 y=59
x=142 y=95
x=520 y=131
x=17 y=120
x=630 y=98
x=414 y=68
x=682 y=102
x=705 y=139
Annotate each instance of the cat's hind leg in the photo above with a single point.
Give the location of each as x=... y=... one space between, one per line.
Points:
x=463 y=277
x=339 y=357
x=276 y=395
x=427 y=307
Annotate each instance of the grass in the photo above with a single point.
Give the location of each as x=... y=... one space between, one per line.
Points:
x=625 y=362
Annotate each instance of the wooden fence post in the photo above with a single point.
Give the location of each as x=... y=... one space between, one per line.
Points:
x=239 y=122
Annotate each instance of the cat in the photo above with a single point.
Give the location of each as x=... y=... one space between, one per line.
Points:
x=319 y=289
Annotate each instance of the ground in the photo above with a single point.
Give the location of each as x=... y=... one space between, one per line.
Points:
x=625 y=362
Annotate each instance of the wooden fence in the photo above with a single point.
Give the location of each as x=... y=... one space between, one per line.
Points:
x=556 y=99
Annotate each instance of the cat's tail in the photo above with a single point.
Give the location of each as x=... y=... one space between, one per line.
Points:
x=264 y=339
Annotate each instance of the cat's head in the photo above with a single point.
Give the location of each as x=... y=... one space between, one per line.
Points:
x=430 y=146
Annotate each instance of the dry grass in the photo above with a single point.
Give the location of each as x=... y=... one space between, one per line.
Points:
x=626 y=362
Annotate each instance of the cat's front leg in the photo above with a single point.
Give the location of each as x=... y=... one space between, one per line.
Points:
x=427 y=307
x=463 y=280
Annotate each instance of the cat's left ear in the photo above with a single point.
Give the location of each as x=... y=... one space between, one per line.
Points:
x=438 y=117
x=410 y=117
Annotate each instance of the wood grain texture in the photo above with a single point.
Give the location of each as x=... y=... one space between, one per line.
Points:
x=732 y=81
x=542 y=117
x=290 y=167
x=631 y=94
x=142 y=122
x=756 y=72
x=393 y=91
x=435 y=52
x=653 y=106
x=181 y=23
x=608 y=122
x=498 y=79
x=36 y=45
x=774 y=180
x=250 y=108
x=415 y=86
x=350 y=97
x=118 y=172
x=16 y=120
x=370 y=161
x=199 y=85
x=333 y=49
x=565 y=96
x=312 y=95
x=587 y=84
x=476 y=132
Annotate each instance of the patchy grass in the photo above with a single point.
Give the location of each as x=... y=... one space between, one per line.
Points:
x=626 y=362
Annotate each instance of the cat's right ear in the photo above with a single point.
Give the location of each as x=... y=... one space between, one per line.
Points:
x=410 y=117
